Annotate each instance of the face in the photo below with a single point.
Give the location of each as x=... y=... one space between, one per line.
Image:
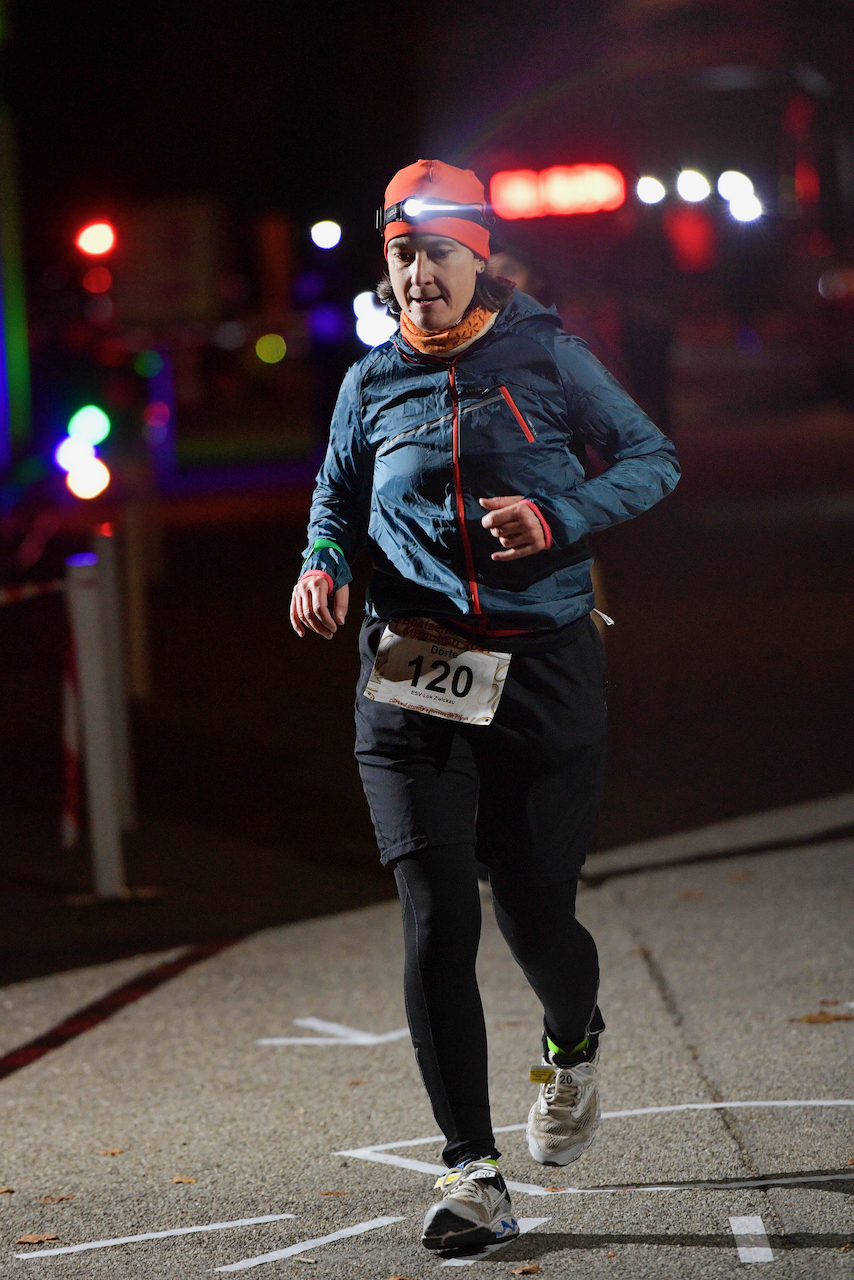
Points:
x=433 y=278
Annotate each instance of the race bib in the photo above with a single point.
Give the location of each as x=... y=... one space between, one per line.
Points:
x=423 y=667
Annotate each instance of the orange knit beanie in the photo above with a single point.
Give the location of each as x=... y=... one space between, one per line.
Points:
x=433 y=180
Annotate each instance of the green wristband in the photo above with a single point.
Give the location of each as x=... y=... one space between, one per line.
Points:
x=321 y=544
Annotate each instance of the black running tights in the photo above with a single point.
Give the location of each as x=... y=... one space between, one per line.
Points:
x=439 y=895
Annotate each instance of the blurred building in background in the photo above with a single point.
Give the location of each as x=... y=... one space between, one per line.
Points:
x=677 y=176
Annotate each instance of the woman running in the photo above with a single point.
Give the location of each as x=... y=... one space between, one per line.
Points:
x=457 y=456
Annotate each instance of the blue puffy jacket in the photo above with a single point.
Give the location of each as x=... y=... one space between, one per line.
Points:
x=415 y=441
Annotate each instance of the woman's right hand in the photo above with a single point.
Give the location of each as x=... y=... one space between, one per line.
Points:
x=310 y=606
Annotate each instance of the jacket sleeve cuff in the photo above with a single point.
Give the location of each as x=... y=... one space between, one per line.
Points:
x=328 y=560
x=543 y=521
x=318 y=573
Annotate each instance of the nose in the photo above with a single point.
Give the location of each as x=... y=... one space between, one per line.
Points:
x=421 y=270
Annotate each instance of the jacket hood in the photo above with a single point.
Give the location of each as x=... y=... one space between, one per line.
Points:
x=522 y=311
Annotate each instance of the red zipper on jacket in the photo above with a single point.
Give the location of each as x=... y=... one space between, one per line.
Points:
x=458 y=491
x=529 y=435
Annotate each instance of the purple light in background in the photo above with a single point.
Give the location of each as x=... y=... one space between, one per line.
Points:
x=160 y=413
x=328 y=323
x=748 y=340
x=83 y=560
x=308 y=287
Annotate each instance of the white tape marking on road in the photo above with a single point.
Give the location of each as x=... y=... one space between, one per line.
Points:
x=380 y=1154
x=726 y=1106
x=756 y=829
x=634 y=1111
x=334 y=1033
x=525 y=1225
x=156 y=1235
x=294 y=1249
x=751 y=1240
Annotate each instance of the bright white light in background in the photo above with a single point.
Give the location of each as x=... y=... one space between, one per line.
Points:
x=89 y=423
x=650 y=190
x=326 y=234
x=692 y=186
x=73 y=452
x=88 y=480
x=733 y=185
x=373 y=323
x=745 y=208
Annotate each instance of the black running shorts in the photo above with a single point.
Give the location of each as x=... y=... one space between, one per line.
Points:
x=526 y=789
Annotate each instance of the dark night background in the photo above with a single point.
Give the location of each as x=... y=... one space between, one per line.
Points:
x=730 y=661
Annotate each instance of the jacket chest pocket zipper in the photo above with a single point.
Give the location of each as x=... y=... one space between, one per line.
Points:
x=529 y=435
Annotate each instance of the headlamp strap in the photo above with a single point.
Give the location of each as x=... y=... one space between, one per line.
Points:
x=424 y=209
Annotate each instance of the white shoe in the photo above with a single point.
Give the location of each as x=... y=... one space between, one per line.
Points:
x=562 y=1122
x=474 y=1209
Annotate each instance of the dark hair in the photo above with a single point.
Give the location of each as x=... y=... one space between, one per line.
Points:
x=490 y=291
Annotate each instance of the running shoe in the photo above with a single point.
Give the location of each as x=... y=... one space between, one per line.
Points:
x=563 y=1121
x=474 y=1209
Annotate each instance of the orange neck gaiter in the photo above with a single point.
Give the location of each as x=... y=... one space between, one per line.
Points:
x=444 y=340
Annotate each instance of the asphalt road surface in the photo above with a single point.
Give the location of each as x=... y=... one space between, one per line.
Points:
x=727 y=1084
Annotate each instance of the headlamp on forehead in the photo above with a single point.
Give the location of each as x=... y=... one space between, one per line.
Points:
x=415 y=209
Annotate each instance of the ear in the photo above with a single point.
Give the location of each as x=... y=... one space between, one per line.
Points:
x=479 y=266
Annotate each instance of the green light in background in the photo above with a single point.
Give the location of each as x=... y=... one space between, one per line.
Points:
x=14 y=346
x=89 y=423
x=271 y=348
x=148 y=364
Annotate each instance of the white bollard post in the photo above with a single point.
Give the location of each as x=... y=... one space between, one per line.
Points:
x=104 y=546
x=98 y=754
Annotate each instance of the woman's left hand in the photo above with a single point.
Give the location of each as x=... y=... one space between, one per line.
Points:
x=515 y=526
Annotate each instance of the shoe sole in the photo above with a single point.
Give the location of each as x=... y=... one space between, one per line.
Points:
x=558 y=1159
x=447 y=1231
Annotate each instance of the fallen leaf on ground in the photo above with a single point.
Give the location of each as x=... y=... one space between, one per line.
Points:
x=312 y=1262
x=54 y=1199
x=532 y=1269
x=555 y=1188
x=824 y=1016
x=352 y=1082
x=843 y=1248
x=111 y=1151
x=34 y=1239
x=850 y=1162
x=188 y=1180
x=688 y=894
x=610 y=1255
x=7 y=1191
x=829 y=1002
x=332 y=1193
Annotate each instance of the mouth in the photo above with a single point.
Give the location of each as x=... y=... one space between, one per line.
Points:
x=424 y=302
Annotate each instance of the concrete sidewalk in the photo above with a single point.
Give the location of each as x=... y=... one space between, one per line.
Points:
x=707 y=967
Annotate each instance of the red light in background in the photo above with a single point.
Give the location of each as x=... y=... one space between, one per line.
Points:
x=97 y=280
x=798 y=116
x=563 y=189
x=691 y=233
x=807 y=184
x=156 y=414
x=582 y=188
x=515 y=193
x=96 y=238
